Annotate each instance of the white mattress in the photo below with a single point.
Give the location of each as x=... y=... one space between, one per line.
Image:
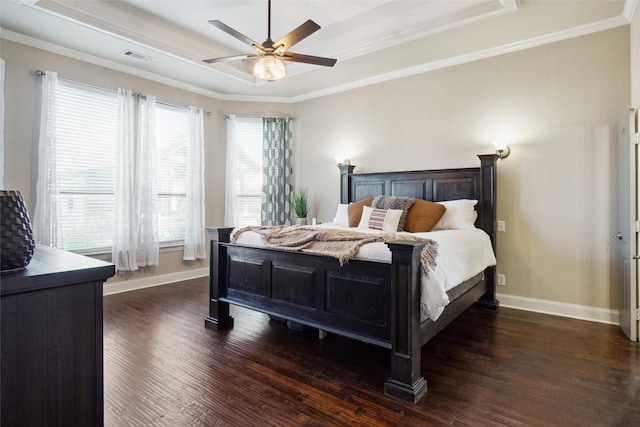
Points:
x=461 y=255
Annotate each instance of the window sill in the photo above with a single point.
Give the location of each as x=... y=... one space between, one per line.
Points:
x=105 y=255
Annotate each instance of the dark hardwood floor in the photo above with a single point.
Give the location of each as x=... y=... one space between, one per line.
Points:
x=513 y=368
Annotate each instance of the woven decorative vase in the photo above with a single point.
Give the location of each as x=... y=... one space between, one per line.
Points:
x=16 y=238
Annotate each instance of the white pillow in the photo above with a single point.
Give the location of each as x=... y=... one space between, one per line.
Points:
x=460 y=215
x=342 y=215
x=380 y=219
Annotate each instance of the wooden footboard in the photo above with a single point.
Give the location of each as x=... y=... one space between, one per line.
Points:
x=375 y=302
x=350 y=300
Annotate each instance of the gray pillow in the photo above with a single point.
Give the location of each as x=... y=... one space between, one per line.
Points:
x=392 y=202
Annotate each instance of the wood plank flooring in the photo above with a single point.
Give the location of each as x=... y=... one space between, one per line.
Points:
x=513 y=368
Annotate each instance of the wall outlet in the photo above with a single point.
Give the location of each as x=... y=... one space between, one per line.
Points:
x=502 y=281
x=502 y=226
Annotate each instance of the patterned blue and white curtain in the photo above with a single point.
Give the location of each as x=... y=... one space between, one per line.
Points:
x=278 y=170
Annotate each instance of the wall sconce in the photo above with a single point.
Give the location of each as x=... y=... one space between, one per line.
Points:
x=342 y=162
x=502 y=149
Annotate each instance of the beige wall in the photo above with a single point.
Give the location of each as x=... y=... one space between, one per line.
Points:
x=557 y=105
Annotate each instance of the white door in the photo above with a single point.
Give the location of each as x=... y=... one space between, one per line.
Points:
x=628 y=222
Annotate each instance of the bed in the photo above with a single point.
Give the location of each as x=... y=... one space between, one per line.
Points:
x=377 y=302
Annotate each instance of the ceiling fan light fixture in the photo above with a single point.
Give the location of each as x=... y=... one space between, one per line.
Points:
x=269 y=68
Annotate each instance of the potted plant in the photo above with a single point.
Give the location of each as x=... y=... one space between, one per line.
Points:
x=301 y=206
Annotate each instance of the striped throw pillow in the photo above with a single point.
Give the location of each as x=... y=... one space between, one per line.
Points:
x=376 y=219
x=380 y=219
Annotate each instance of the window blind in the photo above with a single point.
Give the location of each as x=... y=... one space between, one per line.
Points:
x=172 y=131
x=248 y=170
x=86 y=129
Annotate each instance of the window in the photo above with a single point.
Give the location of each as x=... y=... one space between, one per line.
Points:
x=172 y=131
x=259 y=171
x=87 y=130
x=247 y=170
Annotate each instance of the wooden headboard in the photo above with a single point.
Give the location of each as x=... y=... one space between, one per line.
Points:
x=433 y=185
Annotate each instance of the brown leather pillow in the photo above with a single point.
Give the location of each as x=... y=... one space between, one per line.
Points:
x=355 y=210
x=423 y=216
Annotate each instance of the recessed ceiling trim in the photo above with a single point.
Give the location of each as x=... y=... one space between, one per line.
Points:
x=80 y=56
x=605 y=24
x=107 y=24
x=70 y=14
x=479 y=12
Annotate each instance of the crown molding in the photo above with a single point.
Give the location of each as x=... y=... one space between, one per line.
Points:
x=480 y=12
x=71 y=53
x=630 y=6
x=594 y=27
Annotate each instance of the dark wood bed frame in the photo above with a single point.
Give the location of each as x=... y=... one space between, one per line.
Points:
x=375 y=302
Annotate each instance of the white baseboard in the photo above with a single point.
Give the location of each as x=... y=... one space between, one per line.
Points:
x=147 y=282
x=575 y=311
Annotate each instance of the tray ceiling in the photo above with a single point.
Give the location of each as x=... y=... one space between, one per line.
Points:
x=373 y=40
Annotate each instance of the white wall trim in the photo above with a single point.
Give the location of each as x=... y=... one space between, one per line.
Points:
x=147 y=282
x=629 y=9
x=574 y=311
x=106 y=63
x=81 y=56
x=581 y=30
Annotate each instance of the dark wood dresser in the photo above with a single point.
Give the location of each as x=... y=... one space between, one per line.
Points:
x=51 y=320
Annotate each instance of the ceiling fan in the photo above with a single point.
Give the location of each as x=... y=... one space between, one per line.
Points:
x=268 y=65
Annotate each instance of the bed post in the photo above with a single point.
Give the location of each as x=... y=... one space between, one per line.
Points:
x=487 y=208
x=406 y=381
x=218 y=311
x=345 y=185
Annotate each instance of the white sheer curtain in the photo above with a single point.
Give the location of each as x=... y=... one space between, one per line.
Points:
x=194 y=242
x=148 y=247
x=123 y=252
x=45 y=220
x=230 y=204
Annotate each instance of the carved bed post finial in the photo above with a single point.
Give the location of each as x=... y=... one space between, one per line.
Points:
x=345 y=182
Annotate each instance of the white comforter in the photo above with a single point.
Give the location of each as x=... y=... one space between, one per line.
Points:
x=461 y=255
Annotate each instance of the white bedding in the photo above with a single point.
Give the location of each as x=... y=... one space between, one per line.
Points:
x=461 y=255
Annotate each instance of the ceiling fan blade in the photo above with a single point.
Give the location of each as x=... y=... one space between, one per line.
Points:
x=307 y=59
x=230 y=58
x=227 y=29
x=300 y=33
